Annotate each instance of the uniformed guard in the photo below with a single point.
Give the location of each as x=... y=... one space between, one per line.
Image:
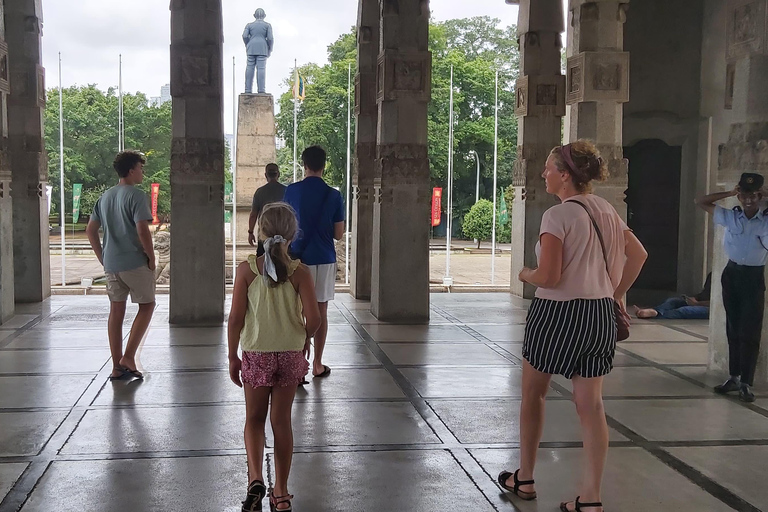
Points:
x=746 y=245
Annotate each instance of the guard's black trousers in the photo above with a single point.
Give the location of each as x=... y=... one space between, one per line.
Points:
x=743 y=298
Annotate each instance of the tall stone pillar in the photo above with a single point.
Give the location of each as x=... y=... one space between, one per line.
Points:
x=745 y=151
x=540 y=106
x=255 y=149
x=400 y=276
x=366 y=119
x=598 y=86
x=197 y=163
x=26 y=148
x=7 y=293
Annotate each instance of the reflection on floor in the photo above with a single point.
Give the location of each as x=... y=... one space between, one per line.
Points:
x=413 y=418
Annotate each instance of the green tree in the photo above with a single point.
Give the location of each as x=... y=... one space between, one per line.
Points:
x=476 y=47
x=322 y=116
x=91 y=140
x=478 y=221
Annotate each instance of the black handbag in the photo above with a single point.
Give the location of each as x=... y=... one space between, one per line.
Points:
x=622 y=318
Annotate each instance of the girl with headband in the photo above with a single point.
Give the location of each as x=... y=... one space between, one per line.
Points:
x=273 y=317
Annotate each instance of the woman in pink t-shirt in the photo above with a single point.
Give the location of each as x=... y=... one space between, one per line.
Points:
x=571 y=324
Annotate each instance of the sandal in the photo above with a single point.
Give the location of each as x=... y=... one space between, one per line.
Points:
x=136 y=373
x=504 y=476
x=256 y=493
x=564 y=505
x=123 y=375
x=274 y=501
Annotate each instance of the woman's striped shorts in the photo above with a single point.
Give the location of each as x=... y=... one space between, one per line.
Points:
x=575 y=337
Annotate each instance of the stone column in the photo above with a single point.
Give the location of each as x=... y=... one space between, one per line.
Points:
x=745 y=151
x=540 y=105
x=29 y=165
x=7 y=292
x=197 y=164
x=400 y=276
x=598 y=86
x=366 y=119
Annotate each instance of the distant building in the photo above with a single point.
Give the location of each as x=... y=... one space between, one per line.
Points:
x=165 y=96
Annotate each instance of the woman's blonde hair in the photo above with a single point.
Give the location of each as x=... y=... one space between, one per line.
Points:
x=585 y=166
x=279 y=219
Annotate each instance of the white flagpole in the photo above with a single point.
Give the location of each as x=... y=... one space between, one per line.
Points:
x=120 y=121
x=62 y=209
x=234 y=170
x=349 y=168
x=295 y=115
x=447 y=280
x=495 y=177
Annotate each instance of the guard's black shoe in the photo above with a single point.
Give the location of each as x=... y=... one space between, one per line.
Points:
x=746 y=394
x=727 y=387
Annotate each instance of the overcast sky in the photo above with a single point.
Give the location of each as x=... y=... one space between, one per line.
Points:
x=90 y=34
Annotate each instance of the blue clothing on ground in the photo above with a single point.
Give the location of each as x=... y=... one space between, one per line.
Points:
x=746 y=240
x=318 y=207
x=676 y=308
x=118 y=210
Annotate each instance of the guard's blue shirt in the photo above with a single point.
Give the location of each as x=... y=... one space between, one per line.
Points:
x=746 y=240
x=318 y=207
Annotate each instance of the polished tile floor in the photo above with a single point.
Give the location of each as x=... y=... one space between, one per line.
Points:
x=413 y=418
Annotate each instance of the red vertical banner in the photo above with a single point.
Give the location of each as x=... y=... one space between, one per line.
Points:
x=437 y=205
x=155 y=195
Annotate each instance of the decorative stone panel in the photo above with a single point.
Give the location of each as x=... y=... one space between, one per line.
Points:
x=194 y=70
x=404 y=74
x=746 y=28
x=730 y=82
x=538 y=95
x=5 y=85
x=598 y=76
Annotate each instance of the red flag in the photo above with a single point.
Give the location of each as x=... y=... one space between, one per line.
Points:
x=155 y=194
x=437 y=195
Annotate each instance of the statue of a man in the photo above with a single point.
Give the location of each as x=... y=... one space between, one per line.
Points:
x=258 y=43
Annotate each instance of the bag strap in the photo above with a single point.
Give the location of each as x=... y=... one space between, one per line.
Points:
x=597 y=230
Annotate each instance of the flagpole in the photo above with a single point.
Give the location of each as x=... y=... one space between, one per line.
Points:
x=447 y=280
x=495 y=178
x=121 y=114
x=61 y=181
x=234 y=170
x=295 y=114
x=349 y=168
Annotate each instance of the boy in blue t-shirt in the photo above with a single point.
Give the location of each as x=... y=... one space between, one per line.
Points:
x=321 y=214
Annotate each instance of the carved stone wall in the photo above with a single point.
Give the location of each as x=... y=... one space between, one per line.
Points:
x=197 y=164
x=26 y=149
x=366 y=119
x=7 y=293
x=401 y=186
x=540 y=106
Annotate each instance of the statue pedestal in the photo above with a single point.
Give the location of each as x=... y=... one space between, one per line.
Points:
x=255 y=149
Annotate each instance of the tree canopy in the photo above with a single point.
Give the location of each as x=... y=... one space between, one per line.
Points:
x=476 y=47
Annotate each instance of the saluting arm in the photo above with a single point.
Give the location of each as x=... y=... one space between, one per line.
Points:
x=707 y=203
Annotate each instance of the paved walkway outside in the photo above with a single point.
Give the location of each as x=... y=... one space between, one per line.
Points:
x=466 y=269
x=413 y=418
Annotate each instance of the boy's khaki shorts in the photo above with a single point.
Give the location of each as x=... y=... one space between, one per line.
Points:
x=139 y=282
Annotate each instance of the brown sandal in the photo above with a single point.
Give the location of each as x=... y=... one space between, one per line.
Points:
x=274 y=501
x=504 y=476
